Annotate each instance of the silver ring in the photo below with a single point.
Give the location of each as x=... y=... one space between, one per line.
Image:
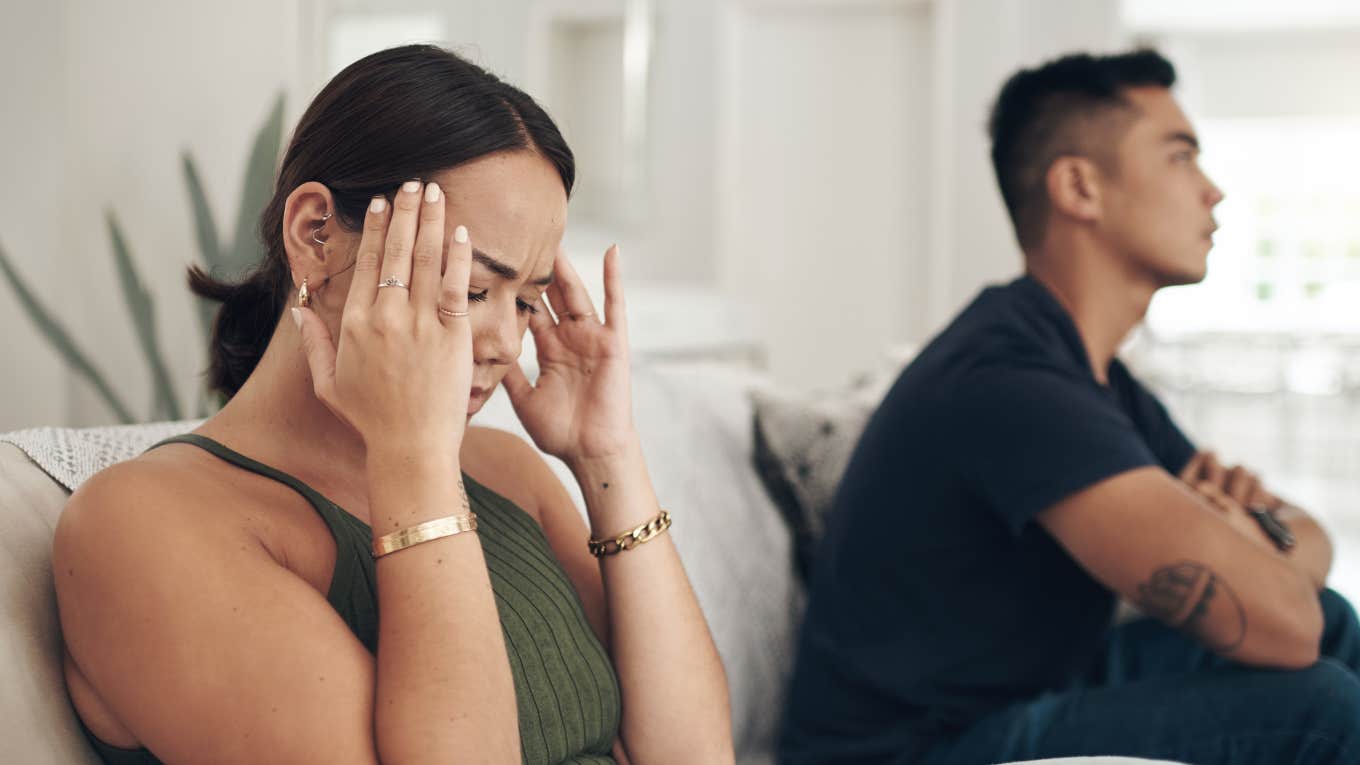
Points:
x=454 y=314
x=392 y=281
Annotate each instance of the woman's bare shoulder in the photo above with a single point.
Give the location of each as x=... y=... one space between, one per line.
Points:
x=168 y=481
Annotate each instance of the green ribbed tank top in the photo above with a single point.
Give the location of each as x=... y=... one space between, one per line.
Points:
x=568 y=695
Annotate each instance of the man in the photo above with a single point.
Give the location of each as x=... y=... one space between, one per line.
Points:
x=1017 y=479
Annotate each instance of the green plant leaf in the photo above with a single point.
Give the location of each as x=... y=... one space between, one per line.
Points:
x=205 y=228
x=257 y=187
x=60 y=339
x=143 y=312
x=209 y=247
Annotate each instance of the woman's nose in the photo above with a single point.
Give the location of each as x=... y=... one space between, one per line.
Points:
x=498 y=340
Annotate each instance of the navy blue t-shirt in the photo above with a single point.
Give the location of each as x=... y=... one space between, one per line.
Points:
x=936 y=597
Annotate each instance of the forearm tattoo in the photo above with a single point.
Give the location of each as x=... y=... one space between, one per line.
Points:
x=1186 y=594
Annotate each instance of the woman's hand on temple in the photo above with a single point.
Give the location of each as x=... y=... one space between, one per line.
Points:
x=401 y=372
x=580 y=408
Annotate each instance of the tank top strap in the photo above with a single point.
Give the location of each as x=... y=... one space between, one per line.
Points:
x=337 y=519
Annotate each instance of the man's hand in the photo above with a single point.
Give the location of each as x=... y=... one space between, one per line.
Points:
x=1234 y=512
x=1232 y=490
x=1237 y=483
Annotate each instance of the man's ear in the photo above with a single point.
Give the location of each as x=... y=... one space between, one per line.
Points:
x=1074 y=188
x=307 y=218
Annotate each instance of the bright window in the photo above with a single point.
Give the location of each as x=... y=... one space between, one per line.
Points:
x=1287 y=255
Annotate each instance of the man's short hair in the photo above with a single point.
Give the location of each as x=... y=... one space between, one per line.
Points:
x=1073 y=105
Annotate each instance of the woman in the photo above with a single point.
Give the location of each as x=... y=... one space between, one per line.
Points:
x=217 y=603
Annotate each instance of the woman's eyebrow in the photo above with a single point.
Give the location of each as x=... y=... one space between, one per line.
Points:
x=504 y=270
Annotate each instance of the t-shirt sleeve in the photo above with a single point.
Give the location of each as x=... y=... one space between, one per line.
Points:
x=1163 y=436
x=1025 y=438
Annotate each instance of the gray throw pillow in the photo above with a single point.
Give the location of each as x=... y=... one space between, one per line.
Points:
x=804 y=440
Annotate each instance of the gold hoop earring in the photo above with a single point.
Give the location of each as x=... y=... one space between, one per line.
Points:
x=304 y=297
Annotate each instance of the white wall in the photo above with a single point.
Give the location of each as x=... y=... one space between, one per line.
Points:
x=114 y=92
x=980 y=43
x=147 y=80
x=109 y=97
x=822 y=214
x=34 y=164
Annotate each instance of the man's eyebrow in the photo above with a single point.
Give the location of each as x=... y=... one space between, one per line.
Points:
x=1184 y=137
x=503 y=270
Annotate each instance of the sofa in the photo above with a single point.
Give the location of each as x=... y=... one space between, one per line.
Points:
x=696 y=422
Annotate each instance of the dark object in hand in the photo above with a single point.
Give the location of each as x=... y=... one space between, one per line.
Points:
x=1274 y=528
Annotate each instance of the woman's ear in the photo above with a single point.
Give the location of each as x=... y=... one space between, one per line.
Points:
x=308 y=224
x=1074 y=188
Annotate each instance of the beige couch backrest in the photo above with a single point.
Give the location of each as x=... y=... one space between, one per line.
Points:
x=39 y=725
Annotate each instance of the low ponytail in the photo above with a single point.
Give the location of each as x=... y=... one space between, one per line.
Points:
x=245 y=322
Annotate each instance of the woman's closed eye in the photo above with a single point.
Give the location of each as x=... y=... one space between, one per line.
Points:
x=520 y=305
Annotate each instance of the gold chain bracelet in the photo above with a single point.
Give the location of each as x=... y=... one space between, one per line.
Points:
x=630 y=539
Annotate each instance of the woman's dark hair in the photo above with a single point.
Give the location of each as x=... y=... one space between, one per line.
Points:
x=399 y=114
x=1045 y=113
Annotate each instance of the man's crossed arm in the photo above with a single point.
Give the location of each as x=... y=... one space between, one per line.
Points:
x=1234 y=490
x=1163 y=545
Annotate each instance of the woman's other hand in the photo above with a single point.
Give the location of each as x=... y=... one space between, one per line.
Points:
x=580 y=408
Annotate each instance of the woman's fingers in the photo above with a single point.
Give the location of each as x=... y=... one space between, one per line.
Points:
x=544 y=327
x=615 y=310
x=364 y=282
x=401 y=236
x=319 y=350
x=452 y=305
x=516 y=384
x=555 y=302
x=428 y=254
x=568 y=292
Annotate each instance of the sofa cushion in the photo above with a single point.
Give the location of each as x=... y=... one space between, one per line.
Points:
x=803 y=440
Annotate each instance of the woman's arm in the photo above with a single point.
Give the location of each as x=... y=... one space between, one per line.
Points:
x=444 y=690
x=401 y=378
x=675 y=698
x=669 y=670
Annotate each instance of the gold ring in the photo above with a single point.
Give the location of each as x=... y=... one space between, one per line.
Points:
x=454 y=314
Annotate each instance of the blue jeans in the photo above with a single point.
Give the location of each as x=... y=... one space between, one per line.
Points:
x=1155 y=693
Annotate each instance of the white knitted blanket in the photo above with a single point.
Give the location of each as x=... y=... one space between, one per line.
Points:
x=71 y=455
